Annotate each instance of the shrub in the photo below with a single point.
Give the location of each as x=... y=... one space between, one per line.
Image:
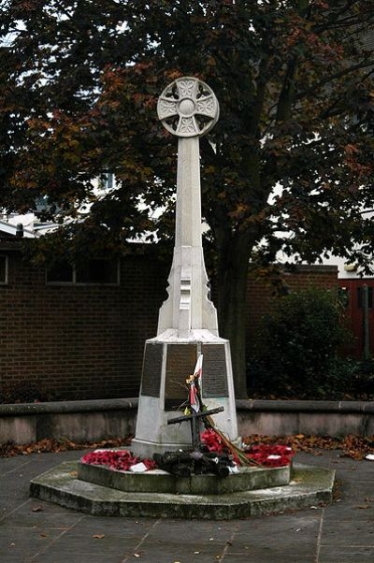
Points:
x=299 y=350
x=26 y=392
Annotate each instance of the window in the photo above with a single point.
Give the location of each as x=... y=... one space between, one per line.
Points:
x=94 y=271
x=62 y=272
x=98 y=271
x=3 y=270
x=106 y=181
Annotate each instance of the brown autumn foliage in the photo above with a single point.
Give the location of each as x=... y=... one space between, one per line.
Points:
x=351 y=446
x=78 y=92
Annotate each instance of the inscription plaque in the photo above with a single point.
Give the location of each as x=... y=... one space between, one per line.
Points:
x=152 y=367
x=180 y=363
x=214 y=381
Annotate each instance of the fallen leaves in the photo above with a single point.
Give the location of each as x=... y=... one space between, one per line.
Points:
x=352 y=446
x=9 y=449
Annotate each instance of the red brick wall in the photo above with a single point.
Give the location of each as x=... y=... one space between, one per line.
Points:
x=79 y=342
x=86 y=342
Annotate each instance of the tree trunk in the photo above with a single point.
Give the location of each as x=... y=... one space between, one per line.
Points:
x=232 y=289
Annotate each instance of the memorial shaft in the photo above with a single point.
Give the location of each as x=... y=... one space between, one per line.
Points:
x=188 y=113
x=187 y=325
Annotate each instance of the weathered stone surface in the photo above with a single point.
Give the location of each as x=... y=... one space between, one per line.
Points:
x=308 y=486
x=158 y=481
x=187 y=321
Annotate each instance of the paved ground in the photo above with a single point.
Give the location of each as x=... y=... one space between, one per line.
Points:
x=34 y=531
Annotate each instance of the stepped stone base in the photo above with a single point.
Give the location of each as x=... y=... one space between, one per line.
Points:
x=308 y=486
x=159 y=481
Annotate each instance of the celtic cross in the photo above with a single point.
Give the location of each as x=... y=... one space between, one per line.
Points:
x=188 y=109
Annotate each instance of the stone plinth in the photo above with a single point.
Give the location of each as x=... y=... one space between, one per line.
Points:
x=167 y=360
x=159 y=481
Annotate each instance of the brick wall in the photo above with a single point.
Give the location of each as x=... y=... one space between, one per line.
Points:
x=78 y=342
x=87 y=341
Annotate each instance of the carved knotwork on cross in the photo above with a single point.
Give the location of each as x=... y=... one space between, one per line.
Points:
x=188 y=107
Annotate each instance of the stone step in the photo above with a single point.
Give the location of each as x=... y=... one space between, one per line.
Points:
x=309 y=486
x=158 y=481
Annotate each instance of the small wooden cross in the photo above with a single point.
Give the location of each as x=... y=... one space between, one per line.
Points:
x=194 y=418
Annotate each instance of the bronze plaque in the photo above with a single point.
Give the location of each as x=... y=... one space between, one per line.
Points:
x=152 y=366
x=180 y=363
x=214 y=382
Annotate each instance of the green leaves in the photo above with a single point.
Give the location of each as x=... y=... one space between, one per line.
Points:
x=299 y=346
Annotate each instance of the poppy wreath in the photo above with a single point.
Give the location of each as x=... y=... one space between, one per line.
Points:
x=266 y=455
x=120 y=460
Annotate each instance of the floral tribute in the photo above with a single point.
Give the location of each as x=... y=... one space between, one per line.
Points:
x=266 y=455
x=120 y=460
x=270 y=455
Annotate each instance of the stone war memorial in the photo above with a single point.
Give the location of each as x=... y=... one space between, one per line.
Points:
x=187 y=325
x=186 y=459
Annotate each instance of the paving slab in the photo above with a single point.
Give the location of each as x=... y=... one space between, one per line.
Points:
x=36 y=531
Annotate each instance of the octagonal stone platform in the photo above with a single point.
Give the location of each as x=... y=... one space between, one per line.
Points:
x=306 y=486
x=159 y=481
